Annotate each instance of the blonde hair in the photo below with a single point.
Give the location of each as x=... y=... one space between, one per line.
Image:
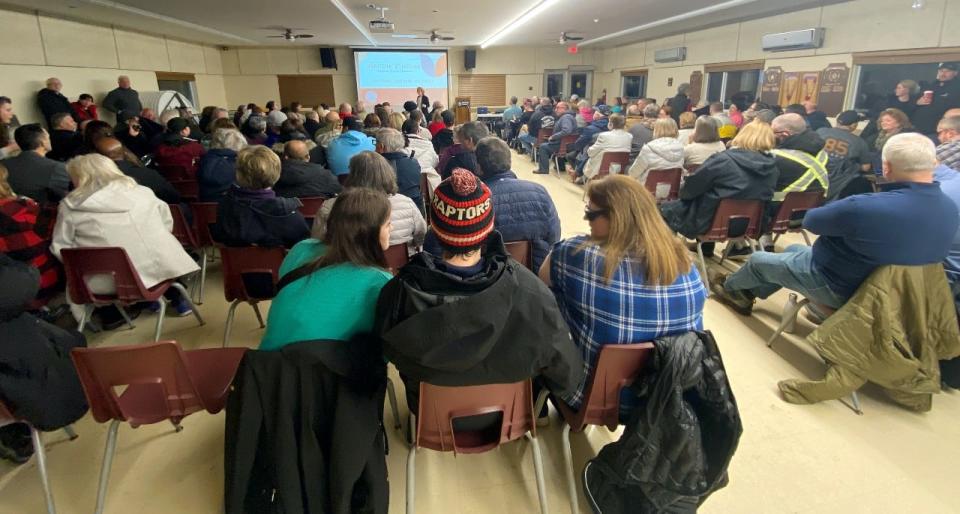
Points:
x=5 y=190
x=396 y=120
x=687 y=119
x=93 y=172
x=258 y=167
x=637 y=230
x=757 y=136
x=665 y=127
x=911 y=85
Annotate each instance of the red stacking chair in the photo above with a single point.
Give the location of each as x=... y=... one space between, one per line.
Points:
x=792 y=210
x=522 y=252
x=617 y=367
x=250 y=275
x=189 y=240
x=7 y=418
x=173 y=173
x=397 y=257
x=542 y=137
x=159 y=382
x=309 y=205
x=189 y=189
x=735 y=220
x=667 y=181
x=610 y=158
x=426 y=194
x=565 y=141
x=81 y=264
x=433 y=426
x=204 y=215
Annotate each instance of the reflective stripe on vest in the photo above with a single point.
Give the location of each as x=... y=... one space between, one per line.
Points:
x=816 y=170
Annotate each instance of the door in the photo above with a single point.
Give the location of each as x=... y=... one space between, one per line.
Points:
x=309 y=90
x=553 y=82
x=580 y=83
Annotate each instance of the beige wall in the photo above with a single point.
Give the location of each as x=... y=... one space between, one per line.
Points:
x=250 y=74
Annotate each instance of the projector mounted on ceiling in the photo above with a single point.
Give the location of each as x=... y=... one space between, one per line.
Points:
x=794 y=40
x=381 y=25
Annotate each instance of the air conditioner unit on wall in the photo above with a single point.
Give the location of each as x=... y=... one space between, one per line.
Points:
x=794 y=40
x=670 y=54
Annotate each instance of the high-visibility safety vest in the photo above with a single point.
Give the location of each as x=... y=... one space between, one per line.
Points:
x=816 y=171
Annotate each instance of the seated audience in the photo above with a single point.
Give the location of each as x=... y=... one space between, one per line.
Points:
x=687 y=123
x=329 y=130
x=746 y=171
x=436 y=123
x=737 y=117
x=642 y=131
x=217 y=171
x=891 y=123
x=25 y=237
x=443 y=136
x=99 y=212
x=38 y=381
x=344 y=147
x=511 y=113
x=565 y=125
x=371 y=124
x=346 y=111
x=94 y=130
x=634 y=115
x=500 y=324
x=251 y=213
x=615 y=140
x=857 y=235
x=382 y=114
x=370 y=170
x=255 y=130
x=815 y=119
x=584 y=113
x=7 y=144
x=847 y=156
x=33 y=175
x=133 y=136
x=329 y=286
x=418 y=118
x=665 y=112
x=311 y=123
x=662 y=153
x=948 y=132
x=177 y=150
x=704 y=142
x=129 y=165
x=301 y=178
x=461 y=154
x=390 y=145
x=422 y=150
x=65 y=141
x=84 y=108
x=630 y=280
x=436 y=108
x=577 y=152
x=206 y=116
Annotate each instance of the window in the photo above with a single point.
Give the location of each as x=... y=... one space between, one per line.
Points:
x=563 y=83
x=633 y=85
x=876 y=82
x=183 y=83
x=580 y=83
x=723 y=85
x=483 y=90
x=553 y=82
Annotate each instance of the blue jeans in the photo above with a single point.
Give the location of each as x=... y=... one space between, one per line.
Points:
x=545 y=153
x=765 y=273
x=527 y=141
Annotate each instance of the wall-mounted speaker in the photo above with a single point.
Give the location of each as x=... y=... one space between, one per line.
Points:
x=328 y=58
x=469 y=59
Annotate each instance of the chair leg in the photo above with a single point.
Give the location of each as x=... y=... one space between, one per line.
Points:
x=126 y=317
x=776 y=236
x=229 y=326
x=71 y=433
x=203 y=274
x=107 y=462
x=568 y=467
x=788 y=319
x=392 y=396
x=411 y=478
x=727 y=248
x=806 y=237
x=256 y=310
x=41 y=454
x=538 y=468
x=703 y=267
x=196 y=312
x=84 y=317
x=160 y=316
x=855 y=400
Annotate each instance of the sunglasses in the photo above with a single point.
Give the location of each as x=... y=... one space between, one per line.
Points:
x=592 y=215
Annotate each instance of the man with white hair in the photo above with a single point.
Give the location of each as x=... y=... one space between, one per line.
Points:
x=911 y=223
x=51 y=101
x=124 y=101
x=390 y=144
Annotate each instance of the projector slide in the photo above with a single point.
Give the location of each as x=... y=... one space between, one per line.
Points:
x=394 y=76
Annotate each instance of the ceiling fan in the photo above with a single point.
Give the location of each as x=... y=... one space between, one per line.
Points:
x=565 y=37
x=288 y=34
x=433 y=35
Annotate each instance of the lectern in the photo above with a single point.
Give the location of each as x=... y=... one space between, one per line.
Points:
x=462 y=109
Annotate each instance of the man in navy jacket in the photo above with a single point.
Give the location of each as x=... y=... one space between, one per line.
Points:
x=566 y=125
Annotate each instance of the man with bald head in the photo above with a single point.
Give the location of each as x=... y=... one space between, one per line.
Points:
x=51 y=101
x=124 y=101
x=300 y=178
x=128 y=164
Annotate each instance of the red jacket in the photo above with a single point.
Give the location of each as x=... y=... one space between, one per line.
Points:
x=25 y=237
x=183 y=153
x=90 y=113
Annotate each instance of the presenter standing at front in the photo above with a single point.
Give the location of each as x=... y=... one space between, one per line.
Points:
x=423 y=102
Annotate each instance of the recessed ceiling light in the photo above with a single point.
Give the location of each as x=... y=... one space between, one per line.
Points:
x=596 y=20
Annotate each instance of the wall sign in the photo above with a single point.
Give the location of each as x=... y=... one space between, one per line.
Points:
x=770 y=88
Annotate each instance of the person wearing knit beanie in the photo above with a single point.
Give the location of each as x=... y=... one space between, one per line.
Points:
x=462 y=212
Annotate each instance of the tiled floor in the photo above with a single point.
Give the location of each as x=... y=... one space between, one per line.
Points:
x=818 y=459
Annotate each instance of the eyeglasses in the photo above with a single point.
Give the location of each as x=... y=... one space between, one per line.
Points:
x=592 y=215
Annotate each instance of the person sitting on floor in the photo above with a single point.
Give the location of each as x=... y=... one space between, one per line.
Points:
x=251 y=213
x=631 y=280
x=301 y=178
x=177 y=150
x=329 y=287
x=218 y=167
x=500 y=323
x=858 y=234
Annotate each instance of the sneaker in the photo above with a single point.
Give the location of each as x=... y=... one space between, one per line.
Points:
x=182 y=308
x=739 y=250
x=16 y=444
x=766 y=242
x=739 y=301
x=153 y=307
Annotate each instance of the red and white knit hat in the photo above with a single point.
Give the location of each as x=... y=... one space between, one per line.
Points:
x=462 y=212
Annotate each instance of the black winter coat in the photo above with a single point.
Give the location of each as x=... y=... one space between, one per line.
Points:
x=304 y=179
x=677 y=446
x=245 y=219
x=53 y=102
x=65 y=145
x=408 y=175
x=304 y=431
x=500 y=326
x=734 y=173
x=678 y=105
x=789 y=171
x=150 y=179
x=37 y=379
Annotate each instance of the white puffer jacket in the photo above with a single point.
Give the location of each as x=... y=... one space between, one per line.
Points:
x=408 y=223
x=424 y=153
x=663 y=153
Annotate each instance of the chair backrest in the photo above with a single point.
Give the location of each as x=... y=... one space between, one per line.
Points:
x=426 y=194
x=204 y=215
x=181 y=229
x=566 y=141
x=174 y=172
x=735 y=219
x=397 y=257
x=664 y=184
x=250 y=272
x=189 y=189
x=440 y=406
x=609 y=158
x=309 y=205
x=793 y=208
x=157 y=384
x=522 y=252
x=617 y=367
x=544 y=134
x=80 y=264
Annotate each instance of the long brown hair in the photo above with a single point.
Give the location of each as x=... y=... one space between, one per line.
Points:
x=637 y=230
x=353 y=229
x=5 y=190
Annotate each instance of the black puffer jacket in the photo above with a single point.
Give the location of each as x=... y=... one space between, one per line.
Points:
x=246 y=217
x=734 y=173
x=808 y=142
x=677 y=446
x=37 y=378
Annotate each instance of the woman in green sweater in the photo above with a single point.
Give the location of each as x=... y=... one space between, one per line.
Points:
x=335 y=282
